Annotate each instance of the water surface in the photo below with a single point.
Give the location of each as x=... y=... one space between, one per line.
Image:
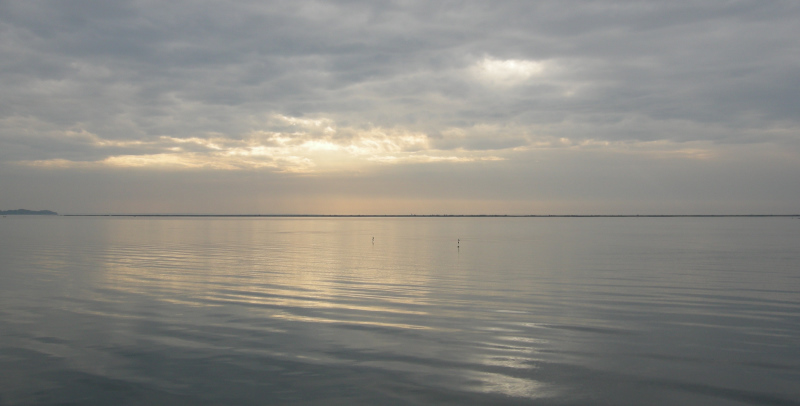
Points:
x=605 y=311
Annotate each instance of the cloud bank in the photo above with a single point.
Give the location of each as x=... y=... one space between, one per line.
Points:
x=319 y=88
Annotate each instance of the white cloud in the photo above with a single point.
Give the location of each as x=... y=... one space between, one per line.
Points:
x=507 y=72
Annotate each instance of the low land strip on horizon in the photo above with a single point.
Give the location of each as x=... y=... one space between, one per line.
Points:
x=431 y=215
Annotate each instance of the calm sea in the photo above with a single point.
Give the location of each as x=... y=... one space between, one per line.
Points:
x=258 y=311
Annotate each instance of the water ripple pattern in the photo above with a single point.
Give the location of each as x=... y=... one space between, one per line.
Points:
x=551 y=311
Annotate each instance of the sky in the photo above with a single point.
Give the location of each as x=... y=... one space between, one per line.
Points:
x=400 y=107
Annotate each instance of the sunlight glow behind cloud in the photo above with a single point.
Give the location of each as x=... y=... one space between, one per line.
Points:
x=511 y=93
x=304 y=150
x=309 y=146
x=507 y=72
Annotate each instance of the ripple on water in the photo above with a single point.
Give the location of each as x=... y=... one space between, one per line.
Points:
x=309 y=311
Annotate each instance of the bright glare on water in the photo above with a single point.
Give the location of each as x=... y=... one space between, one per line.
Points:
x=238 y=311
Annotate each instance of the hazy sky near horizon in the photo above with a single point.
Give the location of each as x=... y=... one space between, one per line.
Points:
x=337 y=107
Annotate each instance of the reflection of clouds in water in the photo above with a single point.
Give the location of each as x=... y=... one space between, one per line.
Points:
x=524 y=339
x=486 y=382
x=314 y=309
x=289 y=277
x=299 y=269
x=506 y=348
x=307 y=319
x=511 y=362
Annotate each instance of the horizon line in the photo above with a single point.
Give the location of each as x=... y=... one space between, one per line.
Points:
x=425 y=215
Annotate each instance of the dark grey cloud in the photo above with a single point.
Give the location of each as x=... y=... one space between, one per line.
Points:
x=89 y=61
x=85 y=80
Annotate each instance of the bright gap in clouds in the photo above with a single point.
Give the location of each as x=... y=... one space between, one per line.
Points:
x=286 y=144
x=509 y=71
x=317 y=145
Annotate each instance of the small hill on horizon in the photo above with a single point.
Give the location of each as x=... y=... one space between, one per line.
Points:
x=28 y=212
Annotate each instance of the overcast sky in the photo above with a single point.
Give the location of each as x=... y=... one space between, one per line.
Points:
x=347 y=107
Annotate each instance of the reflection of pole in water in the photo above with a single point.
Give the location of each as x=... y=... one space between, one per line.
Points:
x=373 y=240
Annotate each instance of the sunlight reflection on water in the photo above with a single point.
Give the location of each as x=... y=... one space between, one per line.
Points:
x=288 y=310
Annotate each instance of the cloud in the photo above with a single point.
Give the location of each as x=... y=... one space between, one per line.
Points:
x=286 y=144
x=507 y=72
x=138 y=69
x=318 y=86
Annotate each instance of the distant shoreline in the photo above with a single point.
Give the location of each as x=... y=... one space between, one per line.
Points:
x=435 y=215
x=24 y=212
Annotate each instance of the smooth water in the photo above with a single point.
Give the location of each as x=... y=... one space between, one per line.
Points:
x=239 y=311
